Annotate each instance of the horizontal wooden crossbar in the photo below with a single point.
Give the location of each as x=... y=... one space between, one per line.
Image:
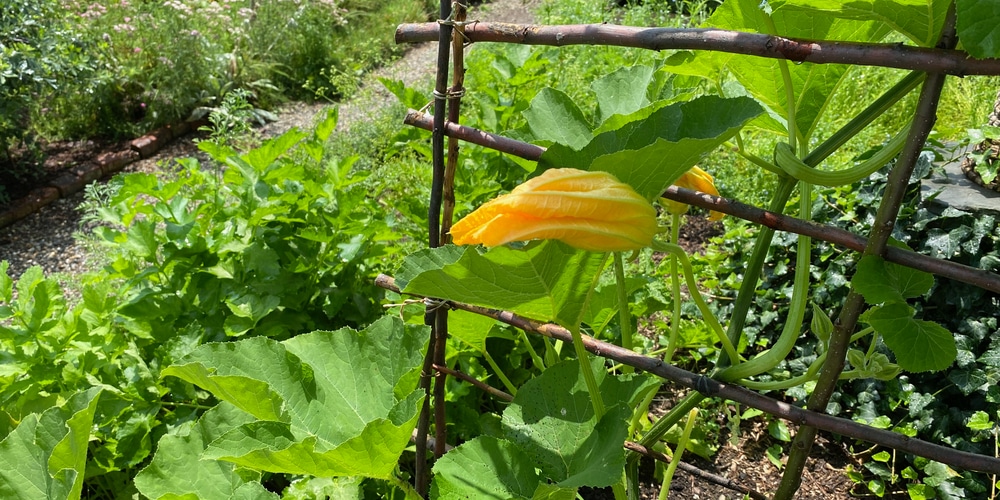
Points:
x=889 y=55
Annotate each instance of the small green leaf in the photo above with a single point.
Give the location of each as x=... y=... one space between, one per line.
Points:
x=881 y=422
x=882 y=456
x=821 y=325
x=553 y=116
x=774 y=453
x=919 y=346
x=546 y=280
x=980 y=421
x=881 y=281
x=778 y=429
x=877 y=487
x=918 y=491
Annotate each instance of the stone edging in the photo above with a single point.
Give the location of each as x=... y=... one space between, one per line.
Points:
x=104 y=165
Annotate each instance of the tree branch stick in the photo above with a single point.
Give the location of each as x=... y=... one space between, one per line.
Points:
x=694 y=471
x=483 y=386
x=889 y=55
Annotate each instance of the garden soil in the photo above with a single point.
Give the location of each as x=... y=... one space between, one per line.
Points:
x=46 y=238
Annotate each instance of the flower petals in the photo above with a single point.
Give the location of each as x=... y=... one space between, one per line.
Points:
x=587 y=210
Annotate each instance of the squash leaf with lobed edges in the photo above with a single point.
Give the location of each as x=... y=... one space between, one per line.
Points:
x=546 y=280
x=314 y=412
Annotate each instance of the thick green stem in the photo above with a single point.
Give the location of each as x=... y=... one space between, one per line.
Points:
x=885 y=220
x=661 y=426
x=796 y=311
x=706 y=313
x=678 y=453
x=744 y=299
x=588 y=373
x=535 y=358
x=675 y=292
x=624 y=318
x=503 y=376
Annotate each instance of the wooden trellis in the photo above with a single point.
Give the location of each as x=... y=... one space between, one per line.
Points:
x=453 y=34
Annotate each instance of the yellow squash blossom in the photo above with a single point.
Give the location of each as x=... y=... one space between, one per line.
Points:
x=698 y=180
x=588 y=210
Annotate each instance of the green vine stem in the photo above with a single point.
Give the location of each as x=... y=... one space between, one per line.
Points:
x=678 y=453
x=713 y=323
x=588 y=373
x=885 y=220
x=744 y=298
x=675 y=289
x=766 y=361
x=503 y=376
x=409 y=491
x=786 y=78
x=535 y=358
x=808 y=376
x=624 y=316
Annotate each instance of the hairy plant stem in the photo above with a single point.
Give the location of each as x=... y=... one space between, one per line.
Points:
x=766 y=361
x=675 y=292
x=786 y=79
x=668 y=476
x=713 y=322
x=624 y=316
x=885 y=220
x=745 y=296
x=503 y=376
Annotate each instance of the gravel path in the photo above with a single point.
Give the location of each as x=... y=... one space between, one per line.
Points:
x=46 y=237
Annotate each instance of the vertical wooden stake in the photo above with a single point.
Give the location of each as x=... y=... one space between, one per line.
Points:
x=434 y=239
x=454 y=97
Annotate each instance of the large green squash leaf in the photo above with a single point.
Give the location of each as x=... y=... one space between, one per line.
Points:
x=978 y=30
x=651 y=153
x=919 y=20
x=553 y=116
x=622 y=92
x=315 y=412
x=814 y=84
x=44 y=457
x=485 y=467
x=552 y=420
x=546 y=280
x=177 y=472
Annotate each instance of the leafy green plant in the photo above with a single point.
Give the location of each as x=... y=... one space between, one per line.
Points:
x=270 y=247
x=231 y=121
